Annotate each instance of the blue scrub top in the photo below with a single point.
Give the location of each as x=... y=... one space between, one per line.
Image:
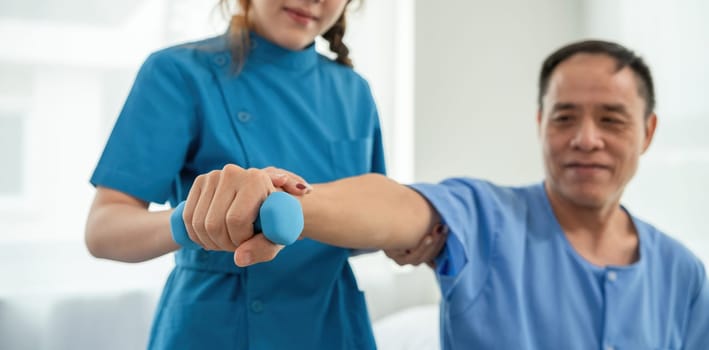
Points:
x=510 y=280
x=188 y=114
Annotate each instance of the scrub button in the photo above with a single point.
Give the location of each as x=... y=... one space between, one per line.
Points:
x=243 y=117
x=220 y=60
x=256 y=306
x=612 y=276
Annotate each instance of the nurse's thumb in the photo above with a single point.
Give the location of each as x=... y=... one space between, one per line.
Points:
x=255 y=250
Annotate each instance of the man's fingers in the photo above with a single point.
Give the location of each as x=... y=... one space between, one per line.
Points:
x=428 y=248
x=420 y=254
x=439 y=236
x=396 y=253
x=401 y=256
x=256 y=250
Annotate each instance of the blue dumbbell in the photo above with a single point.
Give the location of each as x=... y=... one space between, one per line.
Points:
x=280 y=219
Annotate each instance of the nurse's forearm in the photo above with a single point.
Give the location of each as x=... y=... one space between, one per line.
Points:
x=369 y=211
x=127 y=232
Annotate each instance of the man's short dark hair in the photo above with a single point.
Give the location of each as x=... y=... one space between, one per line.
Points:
x=623 y=56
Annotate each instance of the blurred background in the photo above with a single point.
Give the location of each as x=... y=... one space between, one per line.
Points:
x=455 y=82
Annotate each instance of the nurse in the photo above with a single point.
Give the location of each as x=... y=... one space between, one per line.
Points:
x=258 y=95
x=560 y=264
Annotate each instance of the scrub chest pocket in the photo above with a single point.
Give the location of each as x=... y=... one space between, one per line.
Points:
x=351 y=157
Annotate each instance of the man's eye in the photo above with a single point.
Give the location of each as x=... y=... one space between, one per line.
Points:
x=611 y=120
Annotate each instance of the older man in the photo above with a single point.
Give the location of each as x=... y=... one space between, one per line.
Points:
x=556 y=265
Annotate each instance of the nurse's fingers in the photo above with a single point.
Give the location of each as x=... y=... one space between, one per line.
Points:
x=256 y=250
x=197 y=207
x=241 y=215
x=288 y=181
x=227 y=188
x=188 y=211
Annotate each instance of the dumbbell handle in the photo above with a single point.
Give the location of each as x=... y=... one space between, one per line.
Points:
x=280 y=219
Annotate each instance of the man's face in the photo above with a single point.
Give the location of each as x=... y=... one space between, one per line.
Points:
x=593 y=130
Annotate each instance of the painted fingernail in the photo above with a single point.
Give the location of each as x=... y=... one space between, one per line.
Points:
x=304 y=186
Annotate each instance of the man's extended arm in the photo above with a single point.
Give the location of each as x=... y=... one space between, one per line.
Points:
x=368 y=211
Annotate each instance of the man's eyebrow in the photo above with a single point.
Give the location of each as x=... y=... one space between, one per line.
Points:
x=616 y=107
x=564 y=106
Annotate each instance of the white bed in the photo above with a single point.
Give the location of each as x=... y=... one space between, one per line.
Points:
x=56 y=297
x=413 y=328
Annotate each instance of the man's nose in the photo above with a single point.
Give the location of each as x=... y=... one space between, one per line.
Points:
x=588 y=137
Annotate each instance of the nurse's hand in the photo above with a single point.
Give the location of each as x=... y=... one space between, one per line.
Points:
x=426 y=252
x=259 y=249
x=223 y=204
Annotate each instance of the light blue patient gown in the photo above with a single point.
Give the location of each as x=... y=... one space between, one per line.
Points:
x=510 y=280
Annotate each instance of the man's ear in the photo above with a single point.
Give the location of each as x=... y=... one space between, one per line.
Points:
x=650 y=126
x=539 y=121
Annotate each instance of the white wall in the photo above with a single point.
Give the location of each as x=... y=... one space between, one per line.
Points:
x=380 y=35
x=476 y=64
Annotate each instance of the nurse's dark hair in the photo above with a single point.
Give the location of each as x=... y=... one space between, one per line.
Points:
x=623 y=57
x=240 y=25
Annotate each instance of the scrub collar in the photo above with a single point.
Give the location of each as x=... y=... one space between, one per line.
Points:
x=263 y=50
